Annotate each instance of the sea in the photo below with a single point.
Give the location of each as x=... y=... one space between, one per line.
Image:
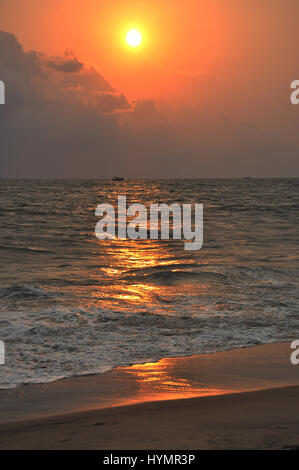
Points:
x=71 y=304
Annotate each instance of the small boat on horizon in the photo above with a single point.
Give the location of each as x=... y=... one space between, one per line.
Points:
x=117 y=178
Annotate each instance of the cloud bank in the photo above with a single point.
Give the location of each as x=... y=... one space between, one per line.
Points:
x=62 y=118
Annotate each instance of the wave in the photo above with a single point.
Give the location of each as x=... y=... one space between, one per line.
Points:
x=57 y=342
x=177 y=275
x=24 y=248
x=26 y=292
x=270 y=274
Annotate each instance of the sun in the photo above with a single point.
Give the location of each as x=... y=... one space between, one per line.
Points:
x=134 y=38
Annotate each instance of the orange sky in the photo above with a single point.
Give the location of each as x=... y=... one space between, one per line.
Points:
x=193 y=36
x=189 y=39
x=217 y=37
x=231 y=59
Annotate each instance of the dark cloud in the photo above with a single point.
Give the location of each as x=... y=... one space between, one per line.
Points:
x=110 y=102
x=12 y=57
x=66 y=64
x=90 y=79
x=11 y=51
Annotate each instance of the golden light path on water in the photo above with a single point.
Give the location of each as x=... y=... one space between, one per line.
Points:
x=130 y=275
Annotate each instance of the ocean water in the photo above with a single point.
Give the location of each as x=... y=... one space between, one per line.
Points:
x=71 y=304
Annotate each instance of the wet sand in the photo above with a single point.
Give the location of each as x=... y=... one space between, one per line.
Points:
x=244 y=398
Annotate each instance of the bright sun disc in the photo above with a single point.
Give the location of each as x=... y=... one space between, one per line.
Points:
x=133 y=38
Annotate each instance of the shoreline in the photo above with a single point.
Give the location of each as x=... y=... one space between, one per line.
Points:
x=232 y=371
x=251 y=394
x=129 y=365
x=137 y=364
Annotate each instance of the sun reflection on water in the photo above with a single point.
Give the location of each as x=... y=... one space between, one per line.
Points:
x=130 y=275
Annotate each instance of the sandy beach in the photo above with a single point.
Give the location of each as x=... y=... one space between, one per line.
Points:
x=253 y=420
x=239 y=399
